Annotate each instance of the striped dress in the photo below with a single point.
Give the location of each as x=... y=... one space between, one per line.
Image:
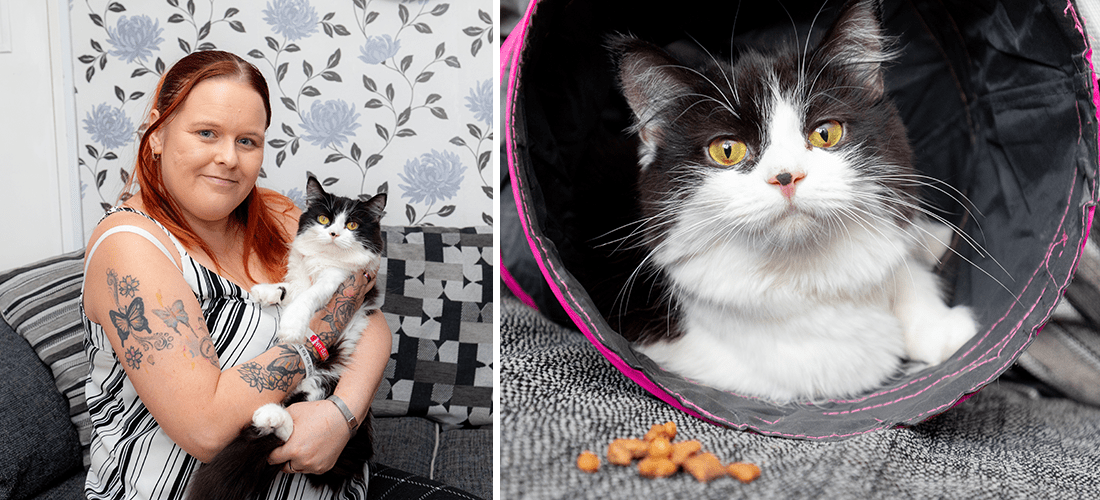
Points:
x=131 y=457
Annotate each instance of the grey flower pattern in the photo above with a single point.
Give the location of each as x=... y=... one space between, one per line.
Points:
x=396 y=99
x=480 y=101
x=378 y=49
x=134 y=38
x=329 y=123
x=297 y=196
x=294 y=19
x=435 y=176
x=109 y=126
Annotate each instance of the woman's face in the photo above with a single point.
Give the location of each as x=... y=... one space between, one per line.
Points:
x=212 y=148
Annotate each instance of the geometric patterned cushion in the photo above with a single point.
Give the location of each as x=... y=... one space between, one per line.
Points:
x=41 y=302
x=439 y=305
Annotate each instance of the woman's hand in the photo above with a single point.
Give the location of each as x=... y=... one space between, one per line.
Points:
x=320 y=434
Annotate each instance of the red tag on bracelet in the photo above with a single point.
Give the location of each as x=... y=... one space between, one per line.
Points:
x=322 y=352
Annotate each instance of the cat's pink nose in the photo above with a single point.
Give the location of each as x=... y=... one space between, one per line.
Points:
x=786 y=178
x=786 y=182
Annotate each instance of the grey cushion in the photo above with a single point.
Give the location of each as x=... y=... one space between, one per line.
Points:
x=462 y=458
x=39 y=444
x=405 y=443
x=465 y=460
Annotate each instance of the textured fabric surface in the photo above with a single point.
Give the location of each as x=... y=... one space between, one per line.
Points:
x=39 y=445
x=69 y=488
x=387 y=483
x=465 y=459
x=406 y=443
x=462 y=458
x=559 y=397
x=439 y=305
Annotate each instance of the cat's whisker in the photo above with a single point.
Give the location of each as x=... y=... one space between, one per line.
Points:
x=732 y=86
x=951 y=192
x=969 y=240
x=981 y=251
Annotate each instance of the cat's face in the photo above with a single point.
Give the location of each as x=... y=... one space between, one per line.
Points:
x=336 y=223
x=781 y=150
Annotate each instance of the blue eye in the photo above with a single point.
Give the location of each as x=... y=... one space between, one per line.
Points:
x=206 y=133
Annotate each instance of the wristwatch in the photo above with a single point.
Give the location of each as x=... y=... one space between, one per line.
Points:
x=353 y=424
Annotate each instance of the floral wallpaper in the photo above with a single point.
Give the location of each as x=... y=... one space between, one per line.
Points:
x=368 y=95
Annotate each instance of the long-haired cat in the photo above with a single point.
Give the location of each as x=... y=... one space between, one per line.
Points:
x=337 y=237
x=780 y=214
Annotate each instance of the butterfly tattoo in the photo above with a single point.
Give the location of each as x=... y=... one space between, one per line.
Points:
x=130 y=320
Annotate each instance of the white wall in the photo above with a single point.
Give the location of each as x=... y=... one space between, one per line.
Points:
x=37 y=195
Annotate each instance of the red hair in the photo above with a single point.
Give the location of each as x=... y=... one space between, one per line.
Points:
x=263 y=234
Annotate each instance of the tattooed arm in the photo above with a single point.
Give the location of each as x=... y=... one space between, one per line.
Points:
x=320 y=431
x=156 y=329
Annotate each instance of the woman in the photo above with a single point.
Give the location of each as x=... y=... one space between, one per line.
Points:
x=181 y=355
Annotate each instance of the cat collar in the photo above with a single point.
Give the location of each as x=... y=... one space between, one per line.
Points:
x=318 y=346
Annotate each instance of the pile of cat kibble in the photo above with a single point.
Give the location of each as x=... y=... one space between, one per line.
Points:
x=660 y=457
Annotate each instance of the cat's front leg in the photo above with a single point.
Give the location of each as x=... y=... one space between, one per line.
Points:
x=933 y=331
x=294 y=323
x=270 y=293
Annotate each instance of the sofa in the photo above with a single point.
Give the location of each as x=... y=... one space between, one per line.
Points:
x=433 y=412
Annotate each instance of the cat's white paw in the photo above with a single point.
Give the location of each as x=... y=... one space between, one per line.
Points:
x=267 y=293
x=293 y=331
x=937 y=338
x=273 y=418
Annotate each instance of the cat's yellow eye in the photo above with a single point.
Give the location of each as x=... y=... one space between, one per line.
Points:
x=352 y=226
x=727 y=152
x=826 y=135
x=322 y=219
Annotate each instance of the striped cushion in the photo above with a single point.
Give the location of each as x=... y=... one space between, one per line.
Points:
x=41 y=302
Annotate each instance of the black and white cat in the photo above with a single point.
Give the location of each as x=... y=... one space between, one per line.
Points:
x=780 y=211
x=337 y=237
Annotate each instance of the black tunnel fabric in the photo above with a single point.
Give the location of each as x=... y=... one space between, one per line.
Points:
x=999 y=100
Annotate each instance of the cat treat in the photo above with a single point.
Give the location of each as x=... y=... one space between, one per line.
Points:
x=659 y=457
x=744 y=472
x=588 y=462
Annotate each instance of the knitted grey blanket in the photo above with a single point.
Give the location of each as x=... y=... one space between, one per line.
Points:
x=559 y=397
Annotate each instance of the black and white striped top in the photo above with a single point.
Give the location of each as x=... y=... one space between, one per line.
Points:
x=131 y=457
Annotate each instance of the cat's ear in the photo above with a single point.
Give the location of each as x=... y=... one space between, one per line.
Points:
x=857 y=42
x=376 y=206
x=651 y=81
x=314 y=191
